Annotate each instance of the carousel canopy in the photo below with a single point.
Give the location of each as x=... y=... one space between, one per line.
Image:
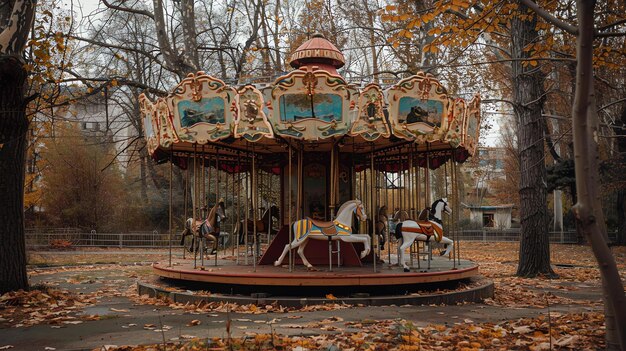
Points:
x=311 y=108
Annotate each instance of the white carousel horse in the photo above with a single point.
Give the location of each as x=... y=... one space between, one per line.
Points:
x=428 y=228
x=339 y=229
x=207 y=229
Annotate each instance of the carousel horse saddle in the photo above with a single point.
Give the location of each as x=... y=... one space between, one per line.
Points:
x=427 y=227
x=327 y=228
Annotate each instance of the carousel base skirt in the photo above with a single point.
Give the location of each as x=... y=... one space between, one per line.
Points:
x=227 y=277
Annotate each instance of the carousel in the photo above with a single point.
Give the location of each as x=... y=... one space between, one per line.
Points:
x=312 y=183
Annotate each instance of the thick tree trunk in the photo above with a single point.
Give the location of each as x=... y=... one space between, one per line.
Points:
x=588 y=209
x=621 y=193
x=528 y=90
x=13 y=134
x=621 y=217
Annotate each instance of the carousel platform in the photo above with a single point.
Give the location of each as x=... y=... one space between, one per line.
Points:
x=226 y=276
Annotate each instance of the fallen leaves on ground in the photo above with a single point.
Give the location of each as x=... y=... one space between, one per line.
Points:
x=568 y=331
x=57 y=307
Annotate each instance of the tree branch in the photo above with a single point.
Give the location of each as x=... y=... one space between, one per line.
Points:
x=611 y=25
x=114 y=46
x=127 y=9
x=550 y=18
x=611 y=104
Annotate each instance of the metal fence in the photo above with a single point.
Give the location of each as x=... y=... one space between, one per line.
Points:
x=35 y=239
x=72 y=237
x=493 y=235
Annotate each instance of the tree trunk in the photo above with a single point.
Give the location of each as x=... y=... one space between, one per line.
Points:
x=528 y=95
x=621 y=217
x=588 y=209
x=621 y=193
x=13 y=134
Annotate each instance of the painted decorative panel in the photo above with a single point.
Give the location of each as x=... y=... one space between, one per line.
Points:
x=150 y=123
x=312 y=105
x=203 y=108
x=167 y=133
x=418 y=108
x=472 y=125
x=370 y=124
x=456 y=120
x=252 y=123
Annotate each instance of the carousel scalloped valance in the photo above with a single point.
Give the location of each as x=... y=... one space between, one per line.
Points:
x=314 y=107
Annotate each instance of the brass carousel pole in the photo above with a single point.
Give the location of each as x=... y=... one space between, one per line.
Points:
x=194 y=201
x=268 y=188
x=232 y=202
x=428 y=200
x=373 y=202
x=413 y=210
x=217 y=198
x=410 y=184
x=246 y=211
x=452 y=201
x=290 y=206
x=394 y=189
x=255 y=207
x=457 y=204
x=418 y=190
x=238 y=224
x=300 y=210
x=186 y=202
x=206 y=209
x=332 y=183
x=171 y=200
x=388 y=231
x=331 y=204
x=207 y=195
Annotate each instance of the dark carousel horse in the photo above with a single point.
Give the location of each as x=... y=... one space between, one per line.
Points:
x=207 y=229
x=380 y=227
x=263 y=225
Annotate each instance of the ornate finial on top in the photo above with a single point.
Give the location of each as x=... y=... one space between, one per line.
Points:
x=317 y=51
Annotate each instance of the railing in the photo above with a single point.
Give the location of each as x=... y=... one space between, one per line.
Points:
x=35 y=239
x=76 y=238
x=67 y=237
x=492 y=235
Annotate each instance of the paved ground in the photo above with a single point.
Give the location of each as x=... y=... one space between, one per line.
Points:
x=122 y=322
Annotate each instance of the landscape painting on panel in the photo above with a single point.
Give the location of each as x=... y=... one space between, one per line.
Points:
x=412 y=110
x=207 y=110
x=325 y=107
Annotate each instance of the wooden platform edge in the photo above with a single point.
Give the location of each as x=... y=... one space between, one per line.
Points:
x=296 y=279
x=473 y=295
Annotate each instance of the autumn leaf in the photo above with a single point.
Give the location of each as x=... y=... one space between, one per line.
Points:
x=194 y=323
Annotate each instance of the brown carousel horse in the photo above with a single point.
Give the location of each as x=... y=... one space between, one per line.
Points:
x=263 y=225
x=380 y=226
x=207 y=229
